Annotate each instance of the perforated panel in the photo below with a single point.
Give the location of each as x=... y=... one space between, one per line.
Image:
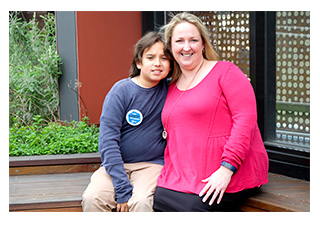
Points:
x=293 y=77
x=229 y=35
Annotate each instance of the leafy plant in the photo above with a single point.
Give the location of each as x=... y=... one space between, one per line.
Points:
x=55 y=138
x=33 y=70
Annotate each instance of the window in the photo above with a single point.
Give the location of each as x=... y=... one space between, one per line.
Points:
x=293 y=78
x=280 y=71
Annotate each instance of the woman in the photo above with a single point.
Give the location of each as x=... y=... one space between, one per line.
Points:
x=215 y=157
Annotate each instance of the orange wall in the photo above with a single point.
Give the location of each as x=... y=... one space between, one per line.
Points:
x=105 y=43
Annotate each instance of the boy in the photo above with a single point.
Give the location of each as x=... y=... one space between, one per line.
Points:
x=130 y=141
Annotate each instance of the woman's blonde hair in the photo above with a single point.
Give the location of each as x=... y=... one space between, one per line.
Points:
x=208 y=53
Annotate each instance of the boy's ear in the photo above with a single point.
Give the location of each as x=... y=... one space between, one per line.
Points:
x=138 y=64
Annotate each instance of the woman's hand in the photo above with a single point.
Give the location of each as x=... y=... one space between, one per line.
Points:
x=217 y=183
x=122 y=207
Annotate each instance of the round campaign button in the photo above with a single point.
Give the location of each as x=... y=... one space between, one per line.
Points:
x=134 y=117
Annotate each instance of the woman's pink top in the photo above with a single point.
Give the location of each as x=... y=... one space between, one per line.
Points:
x=213 y=122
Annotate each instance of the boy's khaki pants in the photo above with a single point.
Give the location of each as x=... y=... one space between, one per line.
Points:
x=100 y=195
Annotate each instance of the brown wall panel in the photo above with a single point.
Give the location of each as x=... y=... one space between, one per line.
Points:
x=105 y=48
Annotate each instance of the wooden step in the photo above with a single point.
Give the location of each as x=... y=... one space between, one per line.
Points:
x=281 y=194
x=50 y=164
x=64 y=206
x=51 y=192
x=56 y=183
x=63 y=192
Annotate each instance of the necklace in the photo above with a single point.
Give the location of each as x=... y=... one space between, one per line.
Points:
x=164 y=133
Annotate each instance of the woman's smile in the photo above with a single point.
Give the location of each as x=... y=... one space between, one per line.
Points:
x=186 y=55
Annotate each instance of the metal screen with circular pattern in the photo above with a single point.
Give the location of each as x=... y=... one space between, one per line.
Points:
x=293 y=77
x=229 y=35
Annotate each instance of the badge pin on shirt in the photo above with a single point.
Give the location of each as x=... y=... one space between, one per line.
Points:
x=134 y=117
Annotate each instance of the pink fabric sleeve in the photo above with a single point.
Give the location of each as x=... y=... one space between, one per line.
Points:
x=241 y=101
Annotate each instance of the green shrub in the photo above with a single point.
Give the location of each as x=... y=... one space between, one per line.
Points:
x=54 y=138
x=33 y=70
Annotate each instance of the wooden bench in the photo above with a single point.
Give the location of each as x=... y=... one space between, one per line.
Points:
x=62 y=191
x=281 y=194
x=48 y=164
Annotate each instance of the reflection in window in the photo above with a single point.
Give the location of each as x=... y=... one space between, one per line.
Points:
x=293 y=78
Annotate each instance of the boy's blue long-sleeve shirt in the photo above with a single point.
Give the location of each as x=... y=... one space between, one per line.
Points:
x=124 y=138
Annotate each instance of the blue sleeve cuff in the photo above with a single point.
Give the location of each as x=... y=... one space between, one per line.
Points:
x=122 y=186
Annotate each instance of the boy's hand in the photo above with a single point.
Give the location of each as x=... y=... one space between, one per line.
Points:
x=122 y=207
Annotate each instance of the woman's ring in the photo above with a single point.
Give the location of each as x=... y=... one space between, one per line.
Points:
x=217 y=191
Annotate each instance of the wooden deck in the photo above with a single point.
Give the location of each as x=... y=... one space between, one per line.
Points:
x=63 y=191
x=50 y=182
x=47 y=192
x=281 y=194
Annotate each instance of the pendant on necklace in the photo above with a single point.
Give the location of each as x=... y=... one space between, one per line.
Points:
x=164 y=134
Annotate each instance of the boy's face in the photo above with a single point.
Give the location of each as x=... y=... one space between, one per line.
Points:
x=154 y=65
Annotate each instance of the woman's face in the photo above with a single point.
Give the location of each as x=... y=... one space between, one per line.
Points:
x=187 y=45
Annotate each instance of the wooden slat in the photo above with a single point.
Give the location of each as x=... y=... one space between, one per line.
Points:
x=66 y=206
x=53 y=169
x=247 y=208
x=47 y=188
x=270 y=202
x=51 y=164
x=62 y=209
x=281 y=194
x=45 y=160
